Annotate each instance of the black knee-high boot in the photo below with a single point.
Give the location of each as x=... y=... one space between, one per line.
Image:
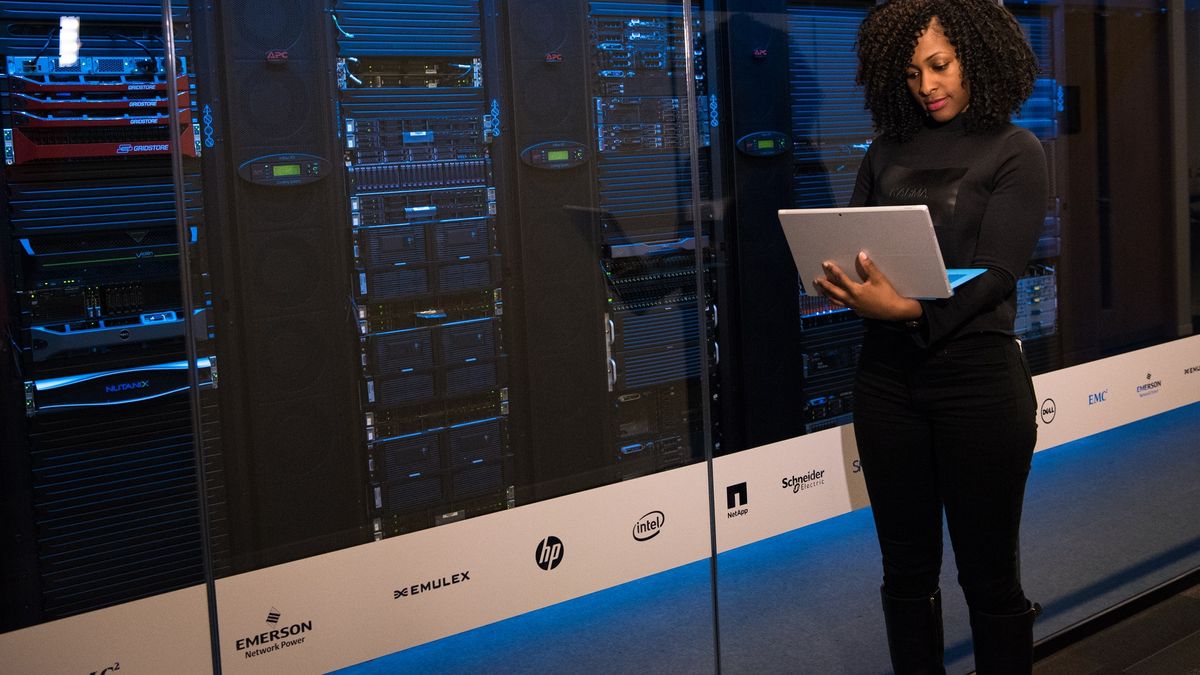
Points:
x=914 y=632
x=1003 y=642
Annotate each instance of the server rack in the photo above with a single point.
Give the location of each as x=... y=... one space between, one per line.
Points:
x=100 y=492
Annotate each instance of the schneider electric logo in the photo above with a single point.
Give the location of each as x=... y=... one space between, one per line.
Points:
x=1150 y=387
x=276 y=639
x=807 y=481
x=431 y=585
x=648 y=526
x=736 y=498
x=549 y=553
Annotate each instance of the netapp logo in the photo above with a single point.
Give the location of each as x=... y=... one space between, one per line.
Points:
x=737 y=496
x=1048 y=410
x=549 y=553
x=1151 y=387
x=806 y=482
x=111 y=669
x=1099 y=397
x=274 y=640
x=433 y=585
x=648 y=526
x=126 y=386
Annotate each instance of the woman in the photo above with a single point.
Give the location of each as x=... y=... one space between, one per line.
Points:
x=944 y=404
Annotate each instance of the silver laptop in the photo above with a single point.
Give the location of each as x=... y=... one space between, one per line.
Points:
x=900 y=239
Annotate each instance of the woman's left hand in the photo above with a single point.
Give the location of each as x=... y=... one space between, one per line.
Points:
x=874 y=298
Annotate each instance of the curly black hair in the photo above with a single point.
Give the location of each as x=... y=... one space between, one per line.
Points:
x=997 y=62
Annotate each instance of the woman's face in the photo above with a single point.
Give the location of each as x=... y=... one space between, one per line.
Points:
x=934 y=75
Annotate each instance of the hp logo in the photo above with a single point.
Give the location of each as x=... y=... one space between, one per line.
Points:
x=549 y=553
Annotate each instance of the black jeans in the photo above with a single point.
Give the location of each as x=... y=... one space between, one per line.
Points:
x=948 y=428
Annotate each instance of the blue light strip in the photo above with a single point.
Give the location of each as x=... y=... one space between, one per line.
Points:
x=111 y=403
x=56 y=382
x=473 y=423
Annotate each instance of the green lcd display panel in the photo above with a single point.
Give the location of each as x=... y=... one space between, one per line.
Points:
x=766 y=145
x=285 y=170
x=558 y=155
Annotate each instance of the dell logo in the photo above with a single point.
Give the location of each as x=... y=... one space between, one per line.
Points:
x=1048 y=411
x=549 y=553
x=648 y=526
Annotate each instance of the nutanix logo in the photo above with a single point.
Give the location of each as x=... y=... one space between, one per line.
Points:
x=276 y=639
x=549 y=553
x=736 y=498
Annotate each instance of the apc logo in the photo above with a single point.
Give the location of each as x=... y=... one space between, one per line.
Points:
x=549 y=553
x=1047 y=411
x=1101 y=397
x=648 y=526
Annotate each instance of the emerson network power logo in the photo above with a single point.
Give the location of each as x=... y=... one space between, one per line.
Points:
x=275 y=639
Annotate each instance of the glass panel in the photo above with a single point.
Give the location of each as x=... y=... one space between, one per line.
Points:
x=457 y=259
x=100 y=489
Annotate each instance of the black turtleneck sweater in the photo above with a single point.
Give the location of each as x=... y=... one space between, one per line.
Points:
x=986 y=194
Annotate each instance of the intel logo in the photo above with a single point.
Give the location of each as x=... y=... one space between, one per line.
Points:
x=648 y=526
